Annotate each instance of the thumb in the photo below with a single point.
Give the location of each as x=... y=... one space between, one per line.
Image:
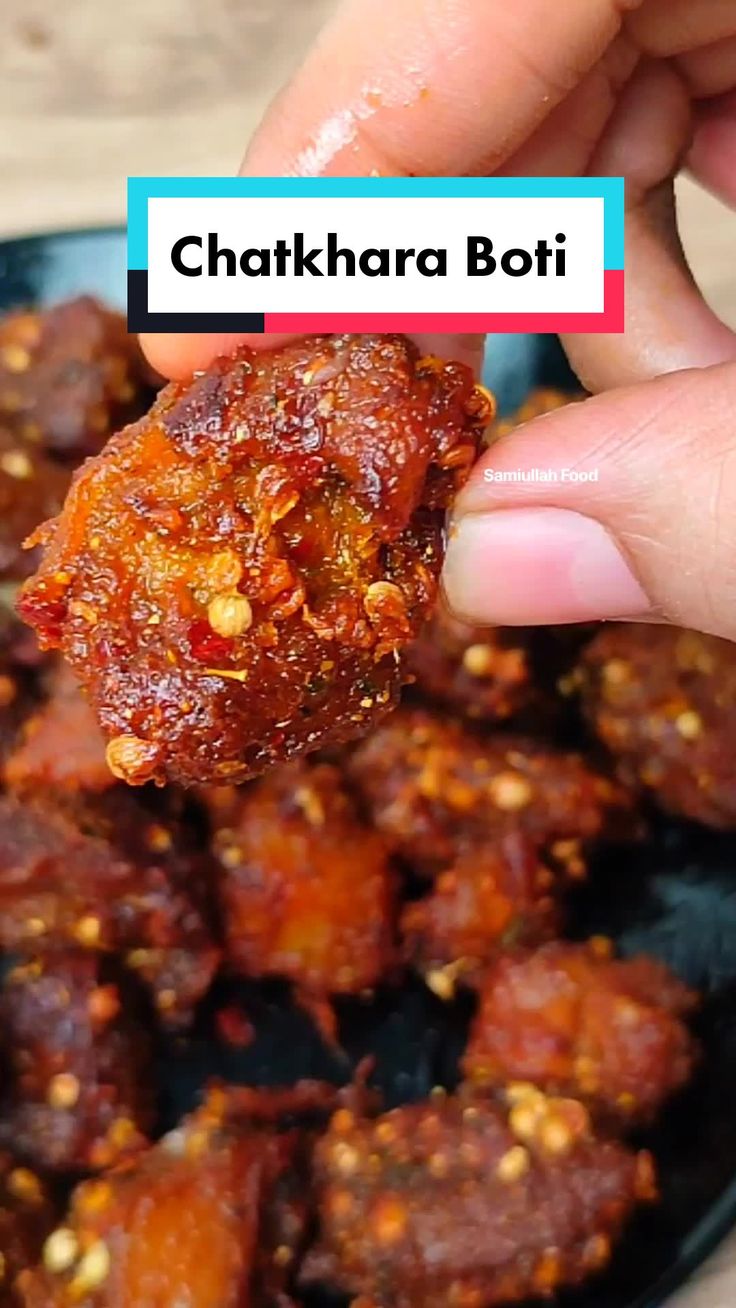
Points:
x=622 y=506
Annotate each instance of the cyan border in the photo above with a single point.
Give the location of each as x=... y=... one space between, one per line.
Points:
x=610 y=189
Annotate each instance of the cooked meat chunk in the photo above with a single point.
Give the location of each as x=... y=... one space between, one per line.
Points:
x=488 y=900
x=70 y=376
x=571 y=1019
x=236 y=577
x=448 y=1203
x=306 y=889
x=32 y=489
x=108 y=878
x=212 y=1217
x=26 y=1217
x=60 y=748
x=484 y=673
x=434 y=788
x=663 y=701
x=81 y=1073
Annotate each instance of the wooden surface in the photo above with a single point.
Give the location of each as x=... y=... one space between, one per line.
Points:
x=92 y=90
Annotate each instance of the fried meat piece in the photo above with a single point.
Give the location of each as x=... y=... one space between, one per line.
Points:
x=484 y=673
x=663 y=701
x=60 y=748
x=236 y=578
x=69 y=376
x=488 y=900
x=108 y=878
x=212 y=1217
x=26 y=1217
x=434 y=789
x=20 y=663
x=306 y=889
x=81 y=1072
x=446 y=1203
x=570 y=1019
x=32 y=489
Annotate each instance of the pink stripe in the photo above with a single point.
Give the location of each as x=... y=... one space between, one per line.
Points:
x=611 y=320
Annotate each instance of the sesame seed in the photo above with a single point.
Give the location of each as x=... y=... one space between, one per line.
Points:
x=230 y=615
x=478 y=660
x=63 y=1090
x=510 y=791
x=346 y=1159
x=17 y=465
x=513 y=1165
x=132 y=759
x=689 y=725
x=616 y=672
x=93 y=1268
x=16 y=358
x=555 y=1136
x=25 y=1185
x=88 y=930
x=60 y=1250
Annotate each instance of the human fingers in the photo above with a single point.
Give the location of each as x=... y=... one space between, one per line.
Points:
x=651 y=535
x=668 y=324
x=712 y=158
x=434 y=87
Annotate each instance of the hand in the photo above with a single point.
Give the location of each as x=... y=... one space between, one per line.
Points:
x=588 y=86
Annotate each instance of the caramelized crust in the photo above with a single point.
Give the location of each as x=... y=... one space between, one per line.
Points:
x=663 y=701
x=110 y=878
x=443 y=1203
x=212 y=1217
x=573 y=1020
x=236 y=578
x=434 y=788
x=69 y=376
x=306 y=889
x=60 y=748
x=487 y=901
x=82 y=1089
x=32 y=488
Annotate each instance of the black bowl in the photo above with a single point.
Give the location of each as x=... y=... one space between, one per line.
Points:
x=674 y=897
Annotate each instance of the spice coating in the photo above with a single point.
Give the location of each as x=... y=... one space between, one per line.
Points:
x=663 y=701
x=26 y=1217
x=439 y=1203
x=110 y=878
x=305 y=888
x=60 y=748
x=69 y=376
x=433 y=788
x=484 y=673
x=487 y=901
x=310 y=482
x=80 y=1060
x=32 y=489
x=212 y=1217
x=571 y=1019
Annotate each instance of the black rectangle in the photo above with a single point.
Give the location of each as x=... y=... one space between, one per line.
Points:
x=141 y=320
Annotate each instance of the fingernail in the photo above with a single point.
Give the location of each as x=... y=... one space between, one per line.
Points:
x=518 y=566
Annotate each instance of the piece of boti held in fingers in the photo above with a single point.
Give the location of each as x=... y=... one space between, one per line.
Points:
x=237 y=577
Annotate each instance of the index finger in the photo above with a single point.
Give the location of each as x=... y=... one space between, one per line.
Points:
x=436 y=87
